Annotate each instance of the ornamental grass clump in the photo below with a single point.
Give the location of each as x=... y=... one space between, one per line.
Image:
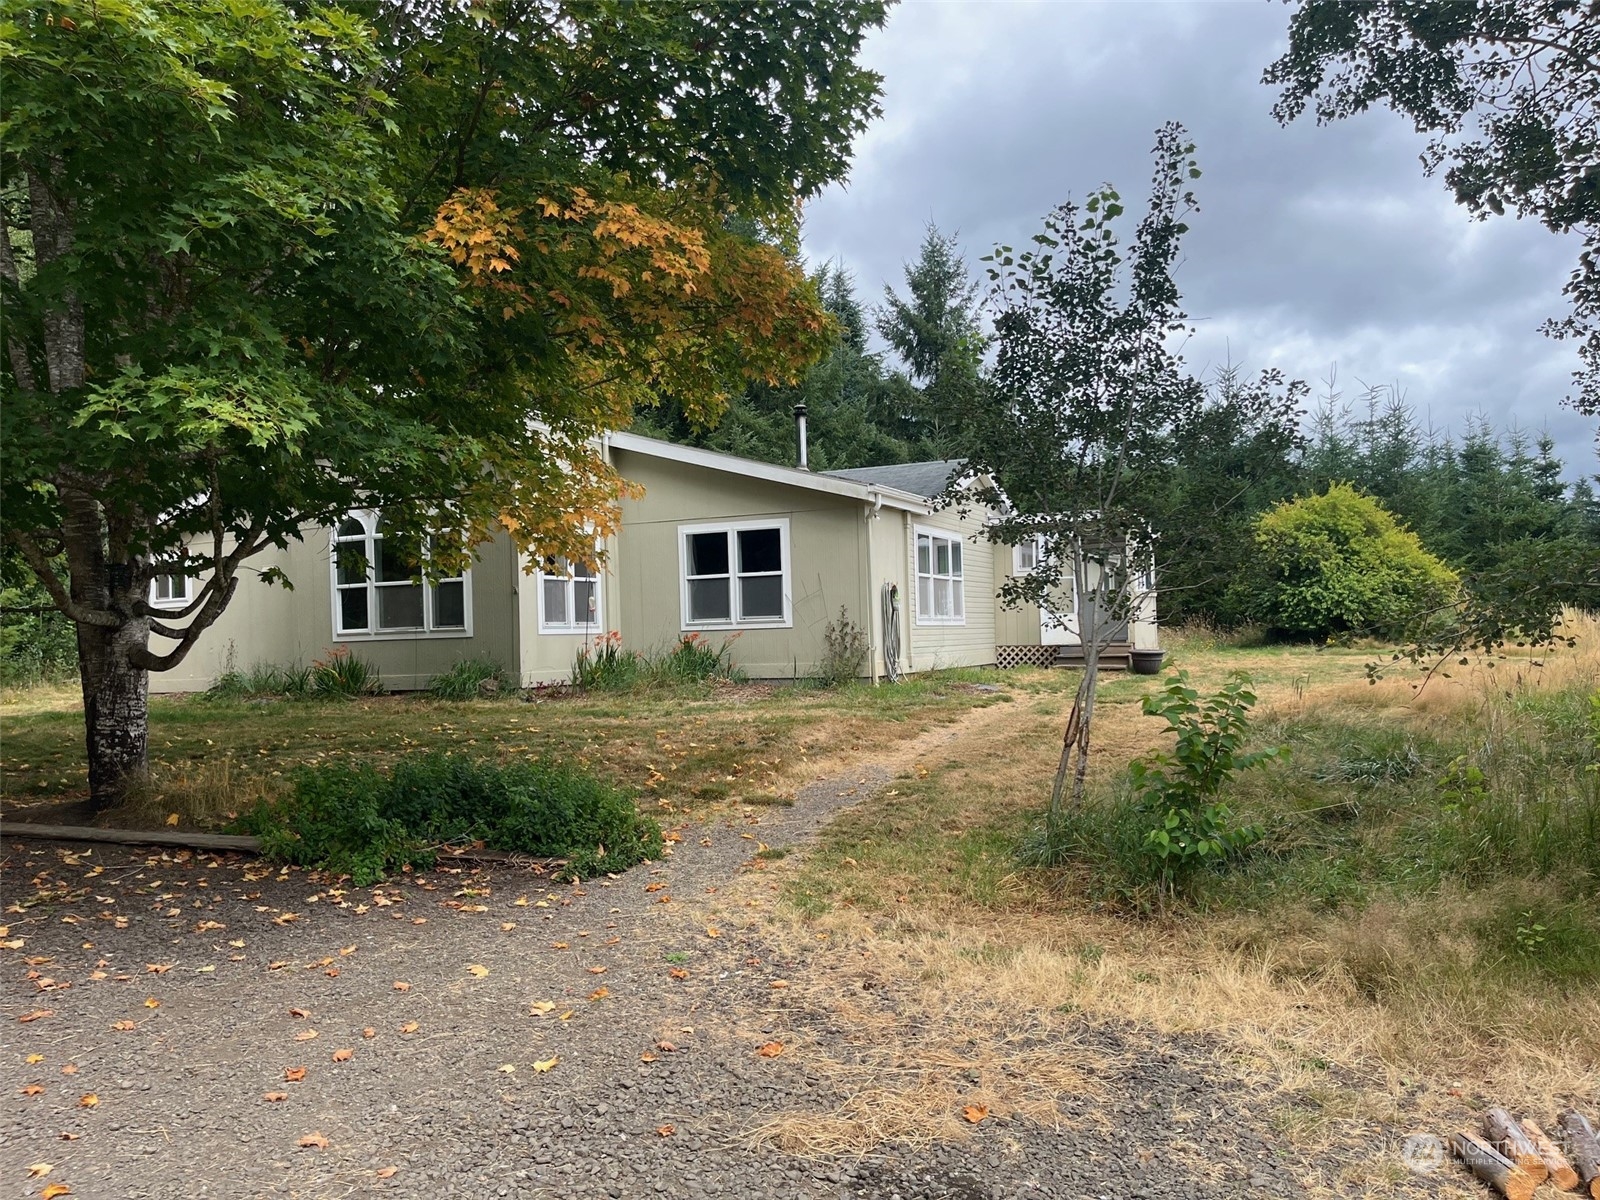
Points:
x=355 y=820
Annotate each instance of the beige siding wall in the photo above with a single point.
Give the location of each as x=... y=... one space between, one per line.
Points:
x=548 y=657
x=1017 y=626
x=267 y=624
x=827 y=551
x=972 y=643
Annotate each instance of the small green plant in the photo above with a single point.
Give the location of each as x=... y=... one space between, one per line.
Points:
x=1530 y=935
x=358 y=821
x=606 y=666
x=470 y=679
x=342 y=673
x=844 y=650
x=1195 y=827
x=694 y=659
x=261 y=681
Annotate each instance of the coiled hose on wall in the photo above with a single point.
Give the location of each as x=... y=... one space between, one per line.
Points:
x=891 y=632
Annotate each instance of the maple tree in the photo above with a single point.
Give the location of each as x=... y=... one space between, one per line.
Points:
x=264 y=263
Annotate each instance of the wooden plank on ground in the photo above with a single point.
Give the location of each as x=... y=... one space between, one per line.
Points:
x=131 y=837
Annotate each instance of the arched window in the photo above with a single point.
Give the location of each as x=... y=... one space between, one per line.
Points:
x=378 y=583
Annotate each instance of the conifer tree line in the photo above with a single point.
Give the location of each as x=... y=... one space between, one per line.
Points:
x=1487 y=499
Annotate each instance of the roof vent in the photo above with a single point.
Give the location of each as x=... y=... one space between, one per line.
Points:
x=800 y=434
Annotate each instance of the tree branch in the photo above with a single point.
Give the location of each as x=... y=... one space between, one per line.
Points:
x=40 y=564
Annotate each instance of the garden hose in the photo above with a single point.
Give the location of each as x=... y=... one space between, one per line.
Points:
x=891 y=632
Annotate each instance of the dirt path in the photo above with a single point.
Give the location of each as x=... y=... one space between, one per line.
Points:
x=508 y=1037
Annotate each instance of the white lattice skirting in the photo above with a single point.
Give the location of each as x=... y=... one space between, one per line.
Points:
x=1007 y=657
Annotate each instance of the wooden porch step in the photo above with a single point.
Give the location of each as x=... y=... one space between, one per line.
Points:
x=1116 y=657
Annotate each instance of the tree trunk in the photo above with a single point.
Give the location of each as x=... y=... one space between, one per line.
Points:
x=116 y=703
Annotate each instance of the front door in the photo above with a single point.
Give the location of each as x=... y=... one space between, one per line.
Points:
x=1058 y=620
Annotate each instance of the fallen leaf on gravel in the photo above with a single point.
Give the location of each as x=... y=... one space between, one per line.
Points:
x=507 y=926
x=597 y=970
x=33 y=1089
x=285 y=918
x=678 y=973
x=157 y=968
x=663 y=899
x=278 y=966
x=70 y=1069
x=477 y=970
x=713 y=932
x=654 y=887
x=299 y=1012
x=401 y=986
x=611 y=941
x=332 y=972
x=546 y=1064
x=67 y=1137
x=558 y=945
x=647 y=1057
x=385 y=1172
x=409 y=1027
x=208 y=926
x=369 y=1032
x=666 y=1130
x=123 y=1026
x=294 y=1074
x=274 y=1097
x=520 y=902
x=540 y=1007
x=305 y=1035
x=975 y=1112
x=565 y=1016
x=779 y=983
x=347 y=951
x=52 y=1190
x=40 y=1169
x=34 y=1058
x=770 y=1050
x=342 y=1055
x=152 y=1002
x=316 y=1140
x=237 y=944
x=600 y=993
x=419 y=920
x=37 y=1014
x=88 y=1100
x=668 y=1047
x=508 y=1068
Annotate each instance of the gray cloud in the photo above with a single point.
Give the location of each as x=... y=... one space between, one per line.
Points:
x=1313 y=247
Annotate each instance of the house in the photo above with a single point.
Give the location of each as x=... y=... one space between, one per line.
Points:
x=716 y=544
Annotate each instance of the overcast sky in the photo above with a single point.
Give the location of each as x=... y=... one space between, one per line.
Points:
x=1315 y=248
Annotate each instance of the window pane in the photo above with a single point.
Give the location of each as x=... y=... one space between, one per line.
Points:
x=925 y=596
x=450 y=606
x=400 y=606
x=352 y=563
x=924 y=556
x=582 y=571
x=708 y=599
x=555 y=602
x=708 y=555
x=958 y=603
x=350 y=527
x=761 y=596
x=396 y=561
x=941 y=597
x=352 y=608
x=941 y=557
x=585 y=603
x=955 y=558
x=760 y=550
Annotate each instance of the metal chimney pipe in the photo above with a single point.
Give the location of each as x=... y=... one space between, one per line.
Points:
x=800 y=433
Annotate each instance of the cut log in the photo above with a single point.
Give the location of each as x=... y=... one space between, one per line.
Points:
x=1584 y=1149
x=1555 y=1162
x=1508 y=1138
x=1494 y=1168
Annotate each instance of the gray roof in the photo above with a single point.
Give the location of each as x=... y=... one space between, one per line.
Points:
x=920 y=479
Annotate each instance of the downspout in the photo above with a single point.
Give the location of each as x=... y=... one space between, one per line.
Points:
x=874 y=638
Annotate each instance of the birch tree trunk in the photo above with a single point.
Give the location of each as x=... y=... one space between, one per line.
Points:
x=116 y=707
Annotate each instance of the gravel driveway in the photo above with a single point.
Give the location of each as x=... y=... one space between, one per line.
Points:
x=215 y=1027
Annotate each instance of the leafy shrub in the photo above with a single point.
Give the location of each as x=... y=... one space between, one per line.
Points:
x=342 y=673
x=260 y=681
x=38 y=644
x=693 y=659
x=1196 y=827
x=1340 y=563
x=606 y=667
x=357 y=821
x=471 y=678
x=844 y=650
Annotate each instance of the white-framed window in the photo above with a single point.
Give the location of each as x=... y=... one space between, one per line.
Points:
x=171 y=591
x=941 y=598
x=735 y=575
x=569 y=597
x=379 y=590
x=1025 y=555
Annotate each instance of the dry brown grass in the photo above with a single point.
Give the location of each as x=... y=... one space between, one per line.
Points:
x=1289 y=996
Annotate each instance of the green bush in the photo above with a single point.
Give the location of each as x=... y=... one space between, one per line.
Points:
x=357 y=821
x=692 y=659
x=471 y=678
x=1340 y=563
x=844 y=650
x=606 y=666
x=342 y=673
x=260 y=681
x=37 y=644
